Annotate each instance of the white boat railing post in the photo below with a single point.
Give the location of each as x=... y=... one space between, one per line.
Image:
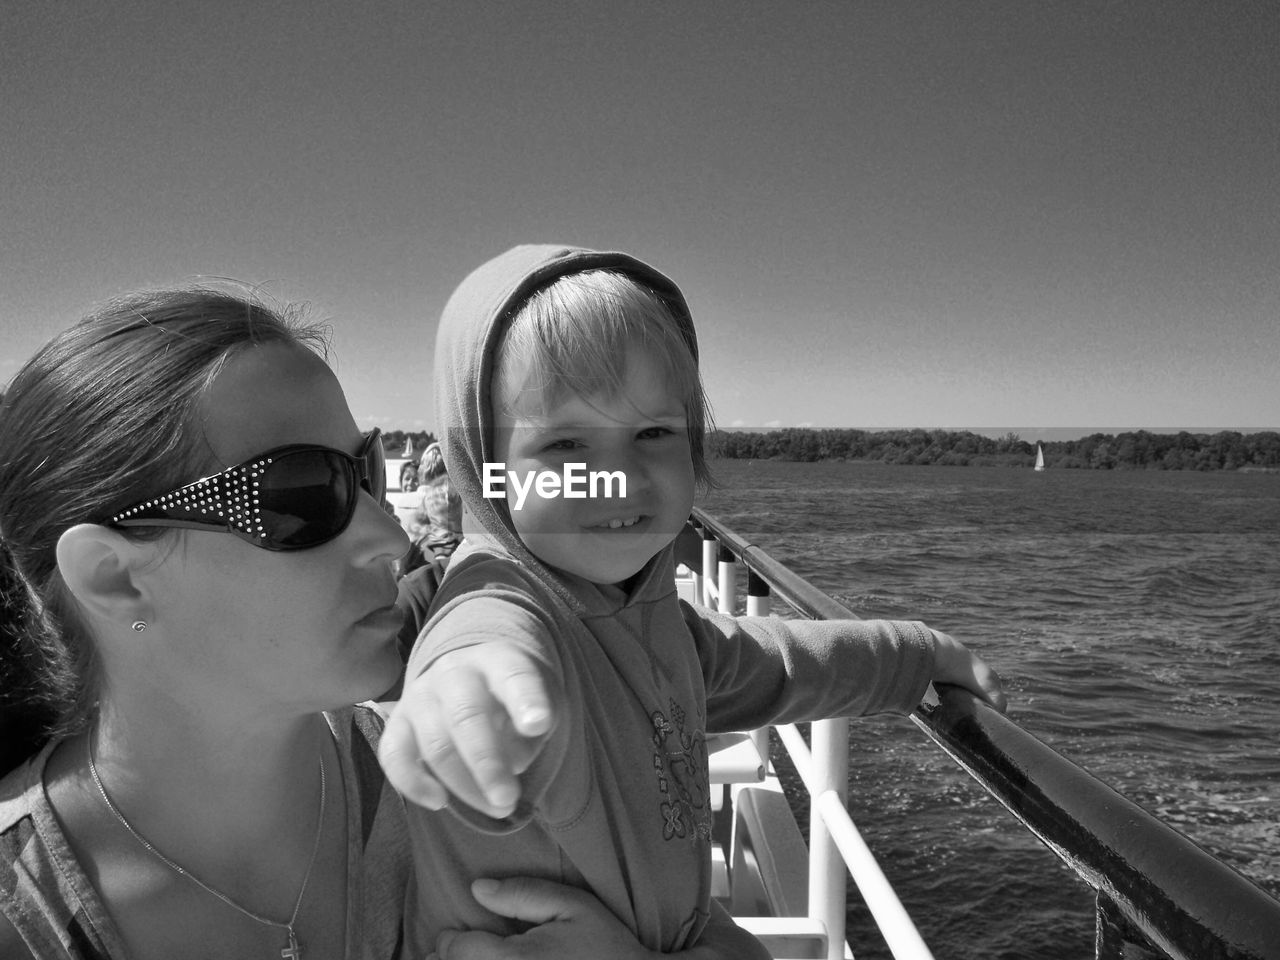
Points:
x=727 y=588
x=830 y=807
x=757 y=595
x=695 y=570
x=758 y=606
x=710 y=550
x=829 y=746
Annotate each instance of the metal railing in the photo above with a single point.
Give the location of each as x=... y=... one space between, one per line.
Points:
x=1155 y=888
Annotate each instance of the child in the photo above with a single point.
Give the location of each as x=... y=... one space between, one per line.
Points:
x=551 y=356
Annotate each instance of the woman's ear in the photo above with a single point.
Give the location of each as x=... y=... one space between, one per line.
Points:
x=100 y=568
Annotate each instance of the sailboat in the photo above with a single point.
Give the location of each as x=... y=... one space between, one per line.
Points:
x=1039 y=458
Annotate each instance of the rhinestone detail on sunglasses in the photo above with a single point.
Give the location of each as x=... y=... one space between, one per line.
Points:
x=225 y=497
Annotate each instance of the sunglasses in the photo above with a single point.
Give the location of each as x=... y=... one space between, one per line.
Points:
x=289 y=498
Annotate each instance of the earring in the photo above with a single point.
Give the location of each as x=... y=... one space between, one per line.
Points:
x=139 y=626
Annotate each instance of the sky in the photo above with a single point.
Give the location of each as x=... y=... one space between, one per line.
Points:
x=1023 y=215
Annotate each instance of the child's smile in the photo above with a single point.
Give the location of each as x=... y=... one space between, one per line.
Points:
x=616 y=524
x=640 y=432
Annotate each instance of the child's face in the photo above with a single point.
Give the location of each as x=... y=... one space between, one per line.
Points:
x=641 y=432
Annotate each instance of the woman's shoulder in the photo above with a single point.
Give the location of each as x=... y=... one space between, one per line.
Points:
x=42 y=886
x=357 y=730
x=358 y=727
x=19 y=790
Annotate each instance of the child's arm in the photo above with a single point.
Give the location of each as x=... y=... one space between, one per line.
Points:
x=480 y=715
x=571 y=924
x=762 y=670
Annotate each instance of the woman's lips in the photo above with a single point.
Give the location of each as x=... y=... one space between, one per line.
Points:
x=390 y=616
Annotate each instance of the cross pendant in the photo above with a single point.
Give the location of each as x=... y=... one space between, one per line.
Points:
x=293 y=951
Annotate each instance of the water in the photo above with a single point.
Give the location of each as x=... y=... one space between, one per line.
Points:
x=1135 y=619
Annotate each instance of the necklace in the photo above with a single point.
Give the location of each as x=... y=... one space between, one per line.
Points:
x=291 y=951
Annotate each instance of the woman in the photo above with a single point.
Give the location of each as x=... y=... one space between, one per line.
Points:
x=195 y=792
x=198 y=581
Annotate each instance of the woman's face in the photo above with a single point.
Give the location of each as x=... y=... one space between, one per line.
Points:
x=295 y=631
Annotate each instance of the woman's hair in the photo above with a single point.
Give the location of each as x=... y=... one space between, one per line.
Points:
x=577 y=333
x=431 y=465
x=106 y=414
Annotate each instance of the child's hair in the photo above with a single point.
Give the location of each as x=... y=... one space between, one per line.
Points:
x=105 y=414
x=576 y=334
x=431 y=465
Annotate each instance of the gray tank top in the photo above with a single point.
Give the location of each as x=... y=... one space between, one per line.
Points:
x=46 y=896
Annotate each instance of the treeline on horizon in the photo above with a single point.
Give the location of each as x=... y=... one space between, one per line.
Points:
x=1140 y=450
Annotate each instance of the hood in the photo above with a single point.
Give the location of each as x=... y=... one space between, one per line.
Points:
x=471 y=328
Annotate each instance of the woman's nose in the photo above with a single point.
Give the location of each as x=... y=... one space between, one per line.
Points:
x=381 y=534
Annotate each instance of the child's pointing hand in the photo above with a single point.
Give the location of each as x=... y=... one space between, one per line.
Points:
x=468 y=725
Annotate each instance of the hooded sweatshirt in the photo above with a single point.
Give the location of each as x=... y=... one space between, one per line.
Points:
x=618 y=800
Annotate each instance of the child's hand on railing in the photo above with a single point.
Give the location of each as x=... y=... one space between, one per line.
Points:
x=954 y=663
x=469 y=725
